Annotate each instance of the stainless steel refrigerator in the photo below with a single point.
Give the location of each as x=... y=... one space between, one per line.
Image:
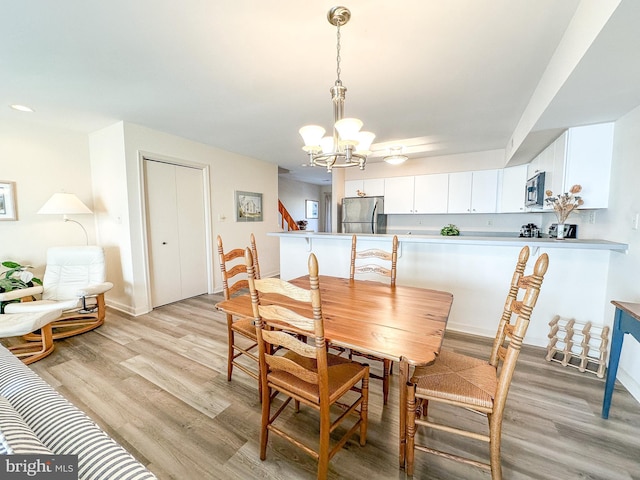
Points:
x=363 y=215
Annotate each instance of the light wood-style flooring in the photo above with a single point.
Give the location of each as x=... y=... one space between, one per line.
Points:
x=157 y=383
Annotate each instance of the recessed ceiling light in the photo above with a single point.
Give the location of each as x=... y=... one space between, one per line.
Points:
x=21 y=108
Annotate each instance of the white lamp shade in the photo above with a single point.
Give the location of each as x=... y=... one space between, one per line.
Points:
x=365 y=141
x=327 y=145
x=348 y=129
x=64 y=204
x=311 y=134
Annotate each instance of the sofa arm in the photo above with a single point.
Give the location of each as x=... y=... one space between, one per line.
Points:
x=94 y=289
x=20 y=293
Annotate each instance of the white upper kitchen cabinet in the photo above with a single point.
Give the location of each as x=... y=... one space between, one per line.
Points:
x=555 y=182
x=512 y=192
x=371 y=187
x=588 y=163
x=580 y=156
x=459 y=194
x=484 y=191
x=473 y=192
x=431 y=193
x=398 y=194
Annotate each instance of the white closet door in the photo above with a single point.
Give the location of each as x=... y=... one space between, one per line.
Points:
x=176 y=236
x=191 y=231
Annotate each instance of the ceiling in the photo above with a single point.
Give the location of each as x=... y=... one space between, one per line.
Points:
x=244 y=76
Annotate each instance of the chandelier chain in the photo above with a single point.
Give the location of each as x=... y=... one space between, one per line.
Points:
x=338 y=71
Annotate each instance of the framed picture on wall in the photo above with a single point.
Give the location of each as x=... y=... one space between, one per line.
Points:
x=248 y=207
x=8 y=201
x=311 y=209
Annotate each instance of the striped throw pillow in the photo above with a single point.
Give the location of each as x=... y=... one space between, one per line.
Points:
x=16 y=437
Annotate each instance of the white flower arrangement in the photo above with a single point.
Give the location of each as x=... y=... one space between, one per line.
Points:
x=564 y=204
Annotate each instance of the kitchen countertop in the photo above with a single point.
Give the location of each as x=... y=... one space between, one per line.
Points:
x=488 y=240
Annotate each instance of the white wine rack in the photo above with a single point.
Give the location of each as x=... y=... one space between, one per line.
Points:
x=578 y=345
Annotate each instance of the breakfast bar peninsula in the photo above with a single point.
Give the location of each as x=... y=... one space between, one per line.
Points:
x=477 y=270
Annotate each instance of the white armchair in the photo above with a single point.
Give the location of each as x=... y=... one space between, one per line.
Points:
x=74 y=281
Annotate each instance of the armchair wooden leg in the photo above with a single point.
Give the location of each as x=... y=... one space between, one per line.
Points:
x=364 y=411
x=31 y=351
x=411 y=428
x=231 y=352
x=495 y=434
x=386 y=378
x=264 y=429
x=323 y=451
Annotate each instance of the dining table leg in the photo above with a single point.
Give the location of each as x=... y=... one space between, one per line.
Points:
x=404 y=378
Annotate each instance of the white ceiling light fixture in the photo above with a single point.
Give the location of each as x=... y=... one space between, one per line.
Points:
x=21 y=108
x=66 y=204
x=348 y=147
x=395 y=157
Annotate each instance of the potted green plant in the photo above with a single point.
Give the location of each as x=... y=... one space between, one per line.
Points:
x=450 y=230
x=15 y=278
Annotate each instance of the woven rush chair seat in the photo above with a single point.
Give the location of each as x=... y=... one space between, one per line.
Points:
x=245 y=327
x=342 y=371
x=459 y=379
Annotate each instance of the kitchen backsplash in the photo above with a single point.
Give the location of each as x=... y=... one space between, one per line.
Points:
x=504 y=224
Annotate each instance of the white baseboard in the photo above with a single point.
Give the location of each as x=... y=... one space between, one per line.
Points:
x=483 y=332
x=121 y=307
x=630 y=383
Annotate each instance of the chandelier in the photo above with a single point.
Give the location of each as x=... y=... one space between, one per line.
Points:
x=348 y=147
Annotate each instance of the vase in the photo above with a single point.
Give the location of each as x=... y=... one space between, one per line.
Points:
x=560 y=231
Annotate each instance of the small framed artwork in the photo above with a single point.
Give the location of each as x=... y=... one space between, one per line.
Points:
x=311 y=209
x=248 y=207
x=8 y=201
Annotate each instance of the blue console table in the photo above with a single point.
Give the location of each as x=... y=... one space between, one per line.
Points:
x=627 y=320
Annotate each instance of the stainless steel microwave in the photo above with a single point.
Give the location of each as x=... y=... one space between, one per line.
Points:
x=534 y=192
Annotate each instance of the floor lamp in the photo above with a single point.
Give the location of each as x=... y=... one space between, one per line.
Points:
x=66 y=204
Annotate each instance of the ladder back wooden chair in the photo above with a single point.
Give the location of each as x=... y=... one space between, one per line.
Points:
x=386 y=267
x=475 y=384
x=304 y=371
x=234 y=279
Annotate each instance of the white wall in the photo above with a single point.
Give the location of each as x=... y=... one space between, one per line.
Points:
x=616 y=224
x=103 y=170
x=111 y=212
x=228 y=172
x=293 y=194
x=42 y=161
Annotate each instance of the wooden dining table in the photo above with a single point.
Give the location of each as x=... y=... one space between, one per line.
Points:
x=403 y=324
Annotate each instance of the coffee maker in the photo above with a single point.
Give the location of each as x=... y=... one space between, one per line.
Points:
x=570 y=230
x=530 y=230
